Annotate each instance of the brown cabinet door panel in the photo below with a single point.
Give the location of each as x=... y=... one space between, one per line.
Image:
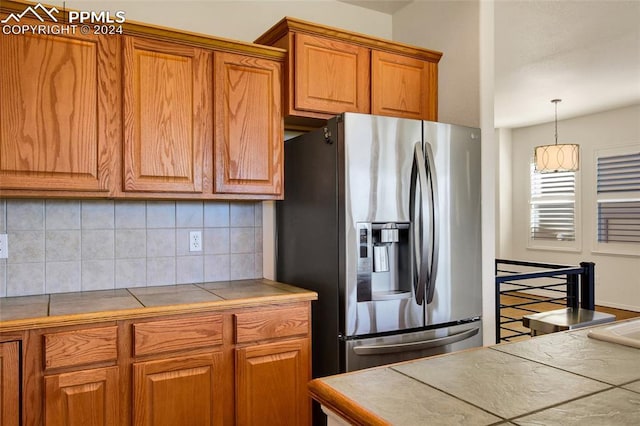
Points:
x=167 y=115
x=403 y=87
x=9 y=384
x=59 y=105
x=249 y=129
x=87 y=398
x=271 y=384
x=331 y=76
x=179 y=391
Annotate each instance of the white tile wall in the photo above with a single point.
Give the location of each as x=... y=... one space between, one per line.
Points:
x=78 y=245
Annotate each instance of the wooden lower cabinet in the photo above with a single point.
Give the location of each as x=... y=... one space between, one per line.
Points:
x=271 y=384
x=83 y=398
x=9 y=383
x=179 y=391
x=244 y=366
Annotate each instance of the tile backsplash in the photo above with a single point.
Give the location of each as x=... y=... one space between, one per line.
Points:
x=59 y=246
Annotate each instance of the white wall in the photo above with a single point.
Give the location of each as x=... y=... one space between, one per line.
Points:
x=617 y=277
x=451 y=27
x=489 y=168
x=504 y=191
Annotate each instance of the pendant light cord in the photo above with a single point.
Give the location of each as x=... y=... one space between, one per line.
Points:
x=555 y=101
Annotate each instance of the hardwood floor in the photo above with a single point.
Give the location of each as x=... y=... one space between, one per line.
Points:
x=619 y=313
x=512 y=330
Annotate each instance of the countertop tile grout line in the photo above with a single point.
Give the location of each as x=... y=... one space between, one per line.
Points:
x=510 y=419
x=503 y=419
x=200 y=286
x=135 y=297
x=611 y=385
x=568 y=401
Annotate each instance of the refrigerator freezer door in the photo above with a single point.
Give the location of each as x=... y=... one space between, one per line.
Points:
x=378 y=156
x=456 y=157
x=371 y=352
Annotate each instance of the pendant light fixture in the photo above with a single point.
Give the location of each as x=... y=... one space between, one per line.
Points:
x=557 y=158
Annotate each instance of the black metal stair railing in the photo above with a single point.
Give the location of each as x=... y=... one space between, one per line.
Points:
x=566 y=286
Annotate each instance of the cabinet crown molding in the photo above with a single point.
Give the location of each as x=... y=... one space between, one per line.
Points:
x=289 y=24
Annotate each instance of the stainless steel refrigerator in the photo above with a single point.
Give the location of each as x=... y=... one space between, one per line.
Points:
x=381 y=217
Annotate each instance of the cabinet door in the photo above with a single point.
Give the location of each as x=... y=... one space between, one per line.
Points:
x=167 y=116
x=179 y=391
x=271 y=384
x=59 y=111
x=87 y=398
x=403 y=87
x=249 y=127
x=330 y=76
x=9 y=384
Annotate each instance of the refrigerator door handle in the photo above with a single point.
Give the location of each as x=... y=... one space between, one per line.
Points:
x=415 y=346
x=435 y=222
x=420 y=243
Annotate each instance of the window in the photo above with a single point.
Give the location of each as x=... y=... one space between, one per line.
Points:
x=552 y=204
x=618 y=200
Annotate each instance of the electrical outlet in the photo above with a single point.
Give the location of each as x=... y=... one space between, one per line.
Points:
x=4 y=246
x=195 y=240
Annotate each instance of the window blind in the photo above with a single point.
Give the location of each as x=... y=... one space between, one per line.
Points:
x=619 y=173
x=618 y=188
x=552 y=202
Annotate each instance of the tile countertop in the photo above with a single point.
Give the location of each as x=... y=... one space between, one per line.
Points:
x=563 y=379
x=20 y=313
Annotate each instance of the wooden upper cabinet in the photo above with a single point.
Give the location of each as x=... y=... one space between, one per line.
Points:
x=249 y=131
x=59 y=112
x=167 y=115
x=330 y=75
x=330 y=71
x=132 y=115
x=402 y=86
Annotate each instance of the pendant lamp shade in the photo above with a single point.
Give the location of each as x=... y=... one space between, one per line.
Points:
x=557 y=157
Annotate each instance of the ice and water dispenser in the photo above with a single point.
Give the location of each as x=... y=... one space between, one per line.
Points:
x=383 y=261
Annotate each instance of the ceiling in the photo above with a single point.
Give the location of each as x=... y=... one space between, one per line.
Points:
x=586 y=53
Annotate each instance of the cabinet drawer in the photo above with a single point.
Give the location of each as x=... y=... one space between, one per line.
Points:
x=81 y=347
x=252 y=326
x=177 y=334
